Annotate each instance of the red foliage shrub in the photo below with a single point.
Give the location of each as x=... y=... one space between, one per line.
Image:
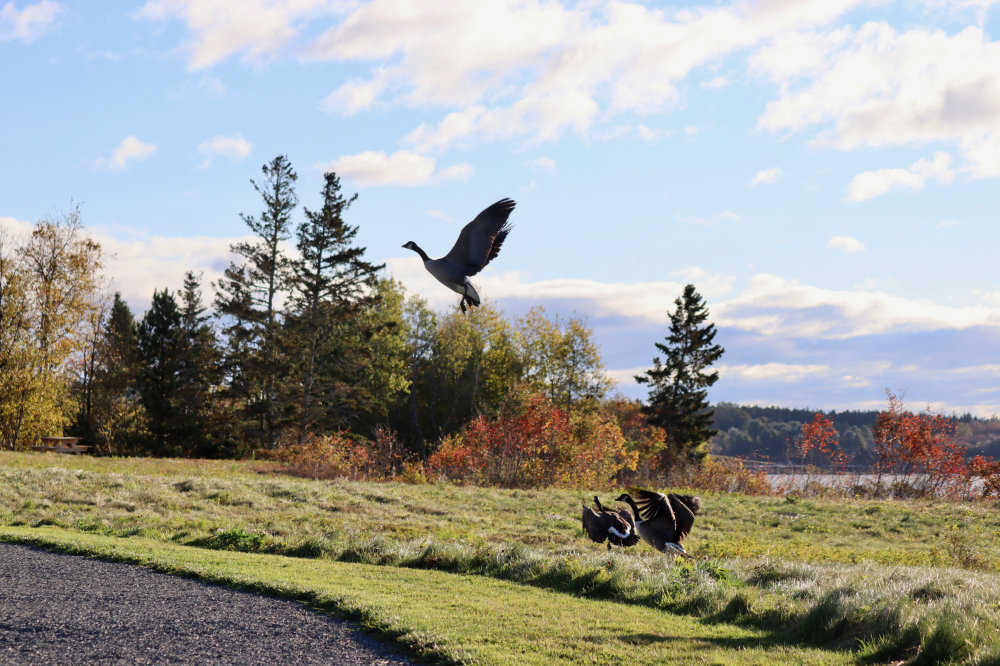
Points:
x=532 y=443
x=818 y=445
x=988 y=471
x=919 y=446
x=333 y=456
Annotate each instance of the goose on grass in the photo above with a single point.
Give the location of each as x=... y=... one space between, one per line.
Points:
x=615 y=527
x=663 y=521
x=477 y=245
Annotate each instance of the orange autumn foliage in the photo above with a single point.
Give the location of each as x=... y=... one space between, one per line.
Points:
x=532 y=443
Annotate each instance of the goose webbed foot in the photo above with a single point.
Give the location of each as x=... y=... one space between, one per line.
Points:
x=461 y=304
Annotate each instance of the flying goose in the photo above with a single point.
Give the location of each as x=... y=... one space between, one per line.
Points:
x=476 y=246
x=663 y=521
x=615 y=527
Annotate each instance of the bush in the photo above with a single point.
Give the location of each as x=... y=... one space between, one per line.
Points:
x=334 y=456
x=532 y=443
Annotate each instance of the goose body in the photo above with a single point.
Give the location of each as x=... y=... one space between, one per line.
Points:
x=662 y=521
x=478 y=244
x=615 y=527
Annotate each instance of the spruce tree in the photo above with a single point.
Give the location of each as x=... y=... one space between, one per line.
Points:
x=248 y=295
x=161 y=350
x=203 y=432
x=333 y=285
x=119 y=417
x=678 y=396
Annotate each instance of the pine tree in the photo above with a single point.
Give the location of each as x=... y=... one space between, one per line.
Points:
x=202 y=423
x=248 y=296
x=161 y=349
x=333 y=286
x=119 y=417
x=678 y=396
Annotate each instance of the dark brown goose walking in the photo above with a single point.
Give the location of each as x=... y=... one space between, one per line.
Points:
x=614 y=526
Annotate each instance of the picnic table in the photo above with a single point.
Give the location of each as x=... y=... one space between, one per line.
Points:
x=61 y=445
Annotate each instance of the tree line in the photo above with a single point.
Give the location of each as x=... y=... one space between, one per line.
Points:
x=287 y=345
x=767 y=433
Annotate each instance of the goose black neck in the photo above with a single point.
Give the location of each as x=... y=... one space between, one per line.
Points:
x=635 y=509
x=423 y=255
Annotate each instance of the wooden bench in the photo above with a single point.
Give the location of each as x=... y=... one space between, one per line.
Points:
x=61 y=445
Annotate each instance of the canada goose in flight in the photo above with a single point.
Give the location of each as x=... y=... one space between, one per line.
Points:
x=476 y=246
x=615 y=527
x=663 y=521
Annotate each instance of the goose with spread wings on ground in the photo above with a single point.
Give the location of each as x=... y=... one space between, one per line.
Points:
x=663 y=521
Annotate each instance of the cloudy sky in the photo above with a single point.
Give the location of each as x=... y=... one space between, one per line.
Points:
x=824 y=171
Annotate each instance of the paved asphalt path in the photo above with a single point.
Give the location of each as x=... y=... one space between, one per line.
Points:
x=63 y=609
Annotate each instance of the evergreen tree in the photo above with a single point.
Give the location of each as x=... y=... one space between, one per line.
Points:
x=248 y=296
x=121 y=418
x=112 y=417
x=161 y=351
x=202 y=426
x=678 y=396
x=329 y=338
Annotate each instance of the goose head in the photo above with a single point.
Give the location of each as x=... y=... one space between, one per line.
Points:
x=410 y=245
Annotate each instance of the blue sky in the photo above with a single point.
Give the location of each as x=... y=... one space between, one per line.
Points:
x=824 y=171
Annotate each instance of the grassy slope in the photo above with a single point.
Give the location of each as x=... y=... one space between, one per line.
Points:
x=837 y=571
x=187 y=499
x=455 y=617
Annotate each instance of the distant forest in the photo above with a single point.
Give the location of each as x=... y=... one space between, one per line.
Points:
x=764 y=433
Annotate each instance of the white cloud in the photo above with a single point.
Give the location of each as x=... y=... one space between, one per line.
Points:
x=219 y=28
x=874 y=86
x=768 y=305
x=531 y=69
x=870 y=184
x=947 y=224
x=765 y=372
x=131 y=149
x=15 y=230
x=137 y=263
x=234 y=147
x=353 y=96
x=28 y=23
x=141 y=264
x=543 y=163
x=847 y=244
x=539 y=69
x=767 y=176
x=650 y=135
x=771 y=305
x=400 y=168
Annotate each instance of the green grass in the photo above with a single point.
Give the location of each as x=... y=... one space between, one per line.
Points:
x=897 y=579
x=452 y=617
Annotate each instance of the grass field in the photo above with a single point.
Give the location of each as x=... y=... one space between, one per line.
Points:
x=813 y=580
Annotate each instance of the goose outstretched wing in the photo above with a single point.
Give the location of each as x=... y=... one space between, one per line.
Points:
x=652 y=506
x=684 y=517
x=480 y=240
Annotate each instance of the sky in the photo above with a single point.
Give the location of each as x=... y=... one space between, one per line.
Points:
x=825 y=172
